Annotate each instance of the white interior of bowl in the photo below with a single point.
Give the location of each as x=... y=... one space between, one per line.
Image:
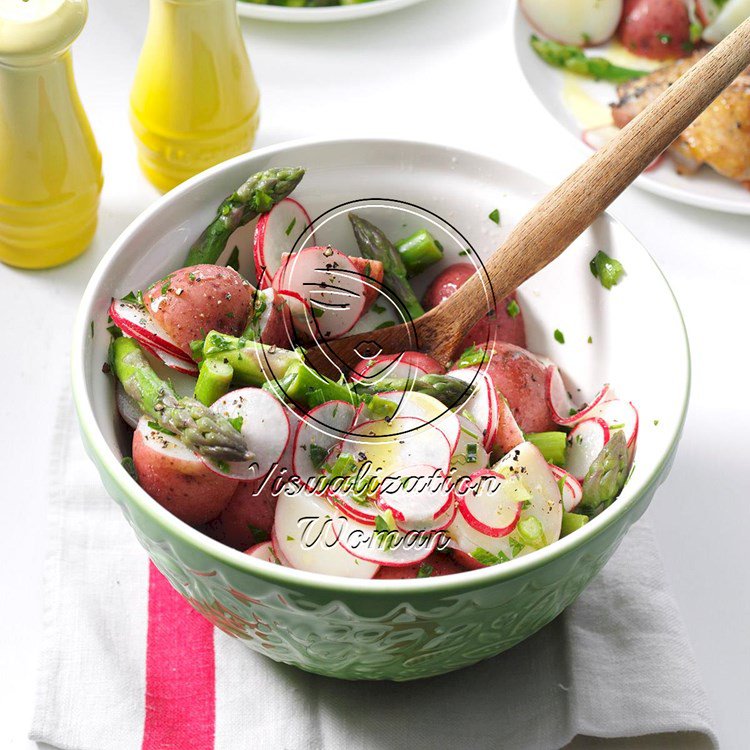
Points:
x=639 y=343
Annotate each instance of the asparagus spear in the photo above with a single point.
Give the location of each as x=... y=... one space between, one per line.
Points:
x=606 y=477
x=573 y=59
x=199 y=429
x=213 y=382
x=446 y=389
x=256 y=196
x=374 y=245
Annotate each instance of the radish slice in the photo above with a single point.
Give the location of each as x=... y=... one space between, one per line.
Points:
x=393 y=445
x=571 y=491
x=482 y=406
x=264 y=551
x=275 y=234
x=365 y=512
x=419 y=496
x=406 y=365
x=730 y=16
x=561 y=406
x=393 y=548
x=526 y=464
x=492 y=505
x=264 y=425
x=306 y=531
x=577 y=22
x=127 y=407
x=619 y=415
x=427 y=409
x=270 y=321
x=585 y=443
x=327 y=280
x=469 y=455
x=318 y=432
x=135 y=321
x=175 y=363
x=596 y=138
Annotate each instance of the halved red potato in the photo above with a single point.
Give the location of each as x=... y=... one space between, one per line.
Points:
x=248 y=517
x=519 y=376
x=190 y=302
x=659 y=29
x=579 y=22
x=505 y=323
x=437 y=564
x=177 y=478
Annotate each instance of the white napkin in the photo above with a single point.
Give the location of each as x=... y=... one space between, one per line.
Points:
x=615 y=666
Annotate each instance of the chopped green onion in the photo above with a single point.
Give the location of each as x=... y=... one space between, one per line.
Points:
x=495 y=216
x=559 y=336
x=425 y=570
x=608 y=270
x=531 y=532
x=473 y=356
x=553 y=445
x=513 y=309
x=572 y=522
x=318 y=455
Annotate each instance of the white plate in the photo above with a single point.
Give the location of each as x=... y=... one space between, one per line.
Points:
x=321 y=15
x=706 y=189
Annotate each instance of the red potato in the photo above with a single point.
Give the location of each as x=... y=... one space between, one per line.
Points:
x=499 y=325
x=521 y=378
x=659 y=29
x=190 y=302
x=442 y=565
x=373 y=270
x=248 y=518
x=177 y=478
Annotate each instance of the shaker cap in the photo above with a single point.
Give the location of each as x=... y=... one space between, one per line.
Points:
x=38 y=29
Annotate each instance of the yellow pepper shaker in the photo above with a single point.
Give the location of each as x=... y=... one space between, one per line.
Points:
x=194 y=102
x=50 y=167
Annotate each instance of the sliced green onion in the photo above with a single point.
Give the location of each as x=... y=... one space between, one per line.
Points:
x=608 y=270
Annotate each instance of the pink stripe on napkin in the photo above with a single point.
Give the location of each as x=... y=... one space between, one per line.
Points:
x=180 y=672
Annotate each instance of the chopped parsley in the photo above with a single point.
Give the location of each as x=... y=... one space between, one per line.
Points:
x=484 y=557
x=471 y=453
x=559 y=336
x=665 y=38
x=425 y=570
x=379 y=309
x=608 y=270
x=236 y=422
x=259 y=535
x=515 y=546
x=135 y=298
x=590 y=340
x=495 y=216
x=473 y=356
x=385 y=530
x=129 y=466
x=513 y=309
x=288 y=230
x=318 y=455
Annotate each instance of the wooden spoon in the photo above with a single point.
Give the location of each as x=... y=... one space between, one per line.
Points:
x=558 y=219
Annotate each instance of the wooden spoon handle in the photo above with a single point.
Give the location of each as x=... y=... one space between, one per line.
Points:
x=571 y=208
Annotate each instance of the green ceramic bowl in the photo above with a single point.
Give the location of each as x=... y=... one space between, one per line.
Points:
x=402 y=630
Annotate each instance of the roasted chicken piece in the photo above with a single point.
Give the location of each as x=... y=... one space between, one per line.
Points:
x=720 y=137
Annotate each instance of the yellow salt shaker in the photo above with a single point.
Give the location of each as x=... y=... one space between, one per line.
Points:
x=194 y=102
x=50 y=167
